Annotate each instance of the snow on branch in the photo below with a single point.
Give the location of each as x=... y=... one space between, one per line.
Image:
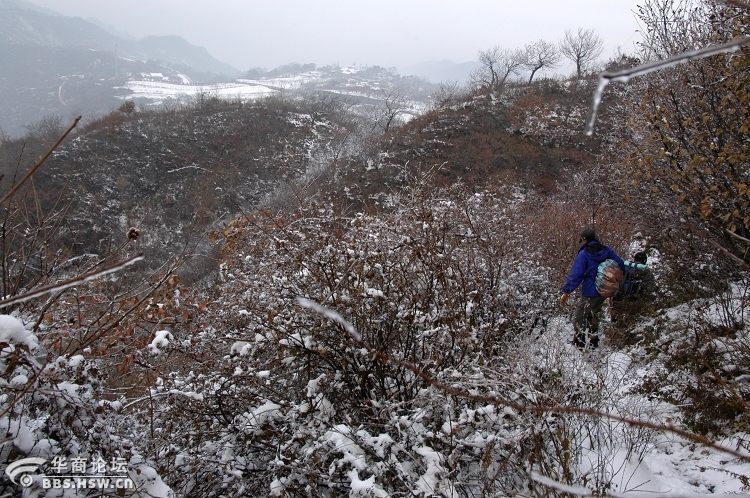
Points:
x=331 y=315
x=624 y=75
x=72 y=282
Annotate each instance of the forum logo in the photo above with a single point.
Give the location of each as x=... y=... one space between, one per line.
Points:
x=23 y=468
x=23 y=473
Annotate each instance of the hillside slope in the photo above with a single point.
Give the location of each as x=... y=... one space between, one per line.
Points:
x=173 y=175
x=61 y=66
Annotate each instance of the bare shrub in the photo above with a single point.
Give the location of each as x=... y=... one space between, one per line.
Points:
x=46 y=129
x=434 y=281
x=448 y=94
x=60 y=396
x=700 y=362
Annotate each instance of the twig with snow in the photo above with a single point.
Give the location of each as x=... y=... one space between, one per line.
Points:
x=151 y=395
x=624 y=75
x=72 y=282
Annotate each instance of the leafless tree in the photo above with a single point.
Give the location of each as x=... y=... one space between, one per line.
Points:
x=540 y=55
x=321 y=105
x=48 y=128
x=670 y=27
x=497 y=64
x=394 y=102
x=448 y=93
x=582 y=49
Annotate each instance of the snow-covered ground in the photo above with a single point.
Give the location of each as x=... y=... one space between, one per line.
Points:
x=643 y=463
x=342 y=81
x=241 y=88
x=156 y=90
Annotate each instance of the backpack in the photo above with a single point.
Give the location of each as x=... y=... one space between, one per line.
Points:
x=609 y=278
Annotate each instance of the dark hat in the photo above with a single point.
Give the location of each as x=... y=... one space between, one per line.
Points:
x=588 y=234
x=640 y=257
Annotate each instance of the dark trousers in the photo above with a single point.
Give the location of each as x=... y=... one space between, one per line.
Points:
x=586 y=321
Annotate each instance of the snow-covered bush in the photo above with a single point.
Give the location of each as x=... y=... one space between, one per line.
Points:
x=57 y=401
x=53 y=409
x=263 y=396
x=699 y=360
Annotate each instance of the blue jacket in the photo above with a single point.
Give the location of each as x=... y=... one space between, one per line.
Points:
x=585 y=266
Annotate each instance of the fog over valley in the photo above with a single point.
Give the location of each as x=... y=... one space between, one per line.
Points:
x=68 y=58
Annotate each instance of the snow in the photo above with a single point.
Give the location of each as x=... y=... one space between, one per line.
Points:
x=666 y=464
x=662 y=464
x=262 y=414
x=241 y=88
x=161 y=339
x=189 y=394
x=159 y=90
x=75 y=361
x=19 y=381
x=351 y=452
x=672 y=468
x=149 y=483
x=22 y=431
x=12 y=331
x=637 y=462
x=366 y=487
x=241 y=348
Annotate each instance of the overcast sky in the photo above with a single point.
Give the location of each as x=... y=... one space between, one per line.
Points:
x=390 y=33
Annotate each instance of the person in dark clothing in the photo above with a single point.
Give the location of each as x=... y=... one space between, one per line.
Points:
x=586 y=318
x=639 y=281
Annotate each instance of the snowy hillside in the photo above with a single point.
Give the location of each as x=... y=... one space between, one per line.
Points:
x=329 y=291
x=365 y=86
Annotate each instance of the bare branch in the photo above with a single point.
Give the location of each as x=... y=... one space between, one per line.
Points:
x=540 y=55
x=625 y=75
x=70 y=282
x=497 y=64
x=582 y=48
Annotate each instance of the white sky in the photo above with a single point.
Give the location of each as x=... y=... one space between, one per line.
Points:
x=390 y=33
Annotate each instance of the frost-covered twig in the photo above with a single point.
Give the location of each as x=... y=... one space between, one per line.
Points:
x=497 y=400
x=333 y=316
x=70 y=282
x=624 y=75
x=189 y=394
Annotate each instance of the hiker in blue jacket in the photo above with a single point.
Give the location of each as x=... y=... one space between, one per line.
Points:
x=586 y=319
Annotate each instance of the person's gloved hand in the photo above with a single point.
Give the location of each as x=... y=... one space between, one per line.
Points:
x=564 y=299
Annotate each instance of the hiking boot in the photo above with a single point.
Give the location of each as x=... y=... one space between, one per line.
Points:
x=594 y=340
